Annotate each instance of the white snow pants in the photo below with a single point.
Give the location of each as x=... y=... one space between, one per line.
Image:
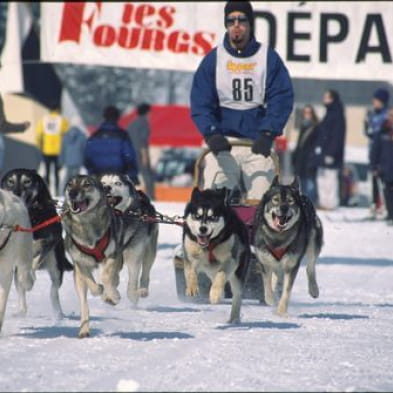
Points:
x=251 y=173
x=328 y=188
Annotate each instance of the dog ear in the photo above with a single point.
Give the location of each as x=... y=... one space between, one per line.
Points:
x=295 y=183
x=276 y=181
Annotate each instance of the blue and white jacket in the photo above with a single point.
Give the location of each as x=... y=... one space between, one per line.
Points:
x=262 y=91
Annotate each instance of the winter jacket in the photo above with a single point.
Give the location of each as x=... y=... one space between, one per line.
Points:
x=374 y=121
x=331 y=133
x=72 y=148
x=49 y=133
x=304 y=153
x=382 y=152
x=210 y=117
x=109 y=149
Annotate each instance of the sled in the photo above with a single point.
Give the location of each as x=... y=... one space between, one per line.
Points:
x=245 y=209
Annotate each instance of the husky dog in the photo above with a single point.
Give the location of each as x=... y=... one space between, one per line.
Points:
x=94 y=238
x=140 y=237
x=286 y=228
x=216 y=242
x=48 y=245
x=16 y=248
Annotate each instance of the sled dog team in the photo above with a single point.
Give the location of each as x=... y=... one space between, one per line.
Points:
x=101 y=218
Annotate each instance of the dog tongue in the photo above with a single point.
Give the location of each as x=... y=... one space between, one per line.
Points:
x=203 y=241
x=279 y=222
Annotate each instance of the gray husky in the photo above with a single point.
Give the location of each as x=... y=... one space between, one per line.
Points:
x=286 y=228
x=215 y=241
x=140 y=237
x=94 y=238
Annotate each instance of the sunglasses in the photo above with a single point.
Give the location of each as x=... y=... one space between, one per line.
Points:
x=242 y=20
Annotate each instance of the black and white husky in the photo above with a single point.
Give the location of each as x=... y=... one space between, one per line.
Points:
x=48 y=245
x=16 y=248
x=286 y=228
x=215 y=241
x=140 y=237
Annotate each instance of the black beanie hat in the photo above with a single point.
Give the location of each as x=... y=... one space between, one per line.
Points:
x=241 y=6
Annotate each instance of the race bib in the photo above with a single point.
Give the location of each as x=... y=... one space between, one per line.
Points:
x=241 y=82
x=52 y=125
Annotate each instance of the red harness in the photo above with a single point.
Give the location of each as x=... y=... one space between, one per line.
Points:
x=210 y=249
x=278 y=253
x=98 y=251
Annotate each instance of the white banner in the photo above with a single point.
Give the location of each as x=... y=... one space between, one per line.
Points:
x=324 y=40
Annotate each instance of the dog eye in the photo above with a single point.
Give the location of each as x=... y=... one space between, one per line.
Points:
x=214 y=218
x=10 y=182
x=276 y=199
x=196 y=216
x=117 y=183
x=291 y=201
x=27 y=183
x=87 y=185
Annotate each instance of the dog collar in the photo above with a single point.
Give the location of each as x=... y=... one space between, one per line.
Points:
x=98 y=252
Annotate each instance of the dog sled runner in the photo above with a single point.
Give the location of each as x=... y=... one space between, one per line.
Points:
x=245 y=210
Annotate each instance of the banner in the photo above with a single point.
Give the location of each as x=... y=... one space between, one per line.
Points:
x=324 y=40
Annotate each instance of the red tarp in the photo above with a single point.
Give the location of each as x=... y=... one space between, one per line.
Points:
x=171 y=125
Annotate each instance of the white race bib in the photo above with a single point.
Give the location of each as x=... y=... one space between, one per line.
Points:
x=52 y=124
x=241 y=81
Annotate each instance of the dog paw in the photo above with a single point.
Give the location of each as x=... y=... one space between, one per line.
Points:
x=269 y=300
x=215 y=295
x=97 y=290
x=282 y=312
x=133 y=296
x=112 y=297
x=84 y=334
x=143 y=292
x=234 y=320
x=192 y=291
x=313 y=290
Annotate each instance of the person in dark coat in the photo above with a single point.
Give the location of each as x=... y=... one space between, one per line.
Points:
x=382 y=161
x=139 y=133
x=303 y=156
x=110 y=149
x=329 y=151
x=72 y=149
x=372 y=127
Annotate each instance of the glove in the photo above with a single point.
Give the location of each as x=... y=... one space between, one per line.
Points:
x=263 y=144
x=217 y=143
x=329 y=160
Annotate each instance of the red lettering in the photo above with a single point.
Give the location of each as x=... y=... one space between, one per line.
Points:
x=104 y=35
x=166 y=14
x=203 y=43
x=127 y=13
x=72 y=20
x=153 y=39
x=129 y=38
x=143 y=11
x=174 y=44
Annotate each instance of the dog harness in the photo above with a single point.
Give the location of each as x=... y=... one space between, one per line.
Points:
x=278 y=253
x=98 y=251
x=5 y=240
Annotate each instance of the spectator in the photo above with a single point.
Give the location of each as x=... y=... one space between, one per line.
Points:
x=330 y=151
x=110 y=149
x=382 y=161
x=139 y=133
x=49 y=133
x=7 y=127
x=241 y=91
x=373 y=123
x=72 y=149
x=303 y=156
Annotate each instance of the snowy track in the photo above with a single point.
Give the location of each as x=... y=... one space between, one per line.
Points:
x=342 y=341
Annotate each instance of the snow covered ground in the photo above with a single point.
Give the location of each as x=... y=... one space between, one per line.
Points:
x=342 y=341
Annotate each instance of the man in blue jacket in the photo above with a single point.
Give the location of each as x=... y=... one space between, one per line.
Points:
x=110 y=149
x=241 y=91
